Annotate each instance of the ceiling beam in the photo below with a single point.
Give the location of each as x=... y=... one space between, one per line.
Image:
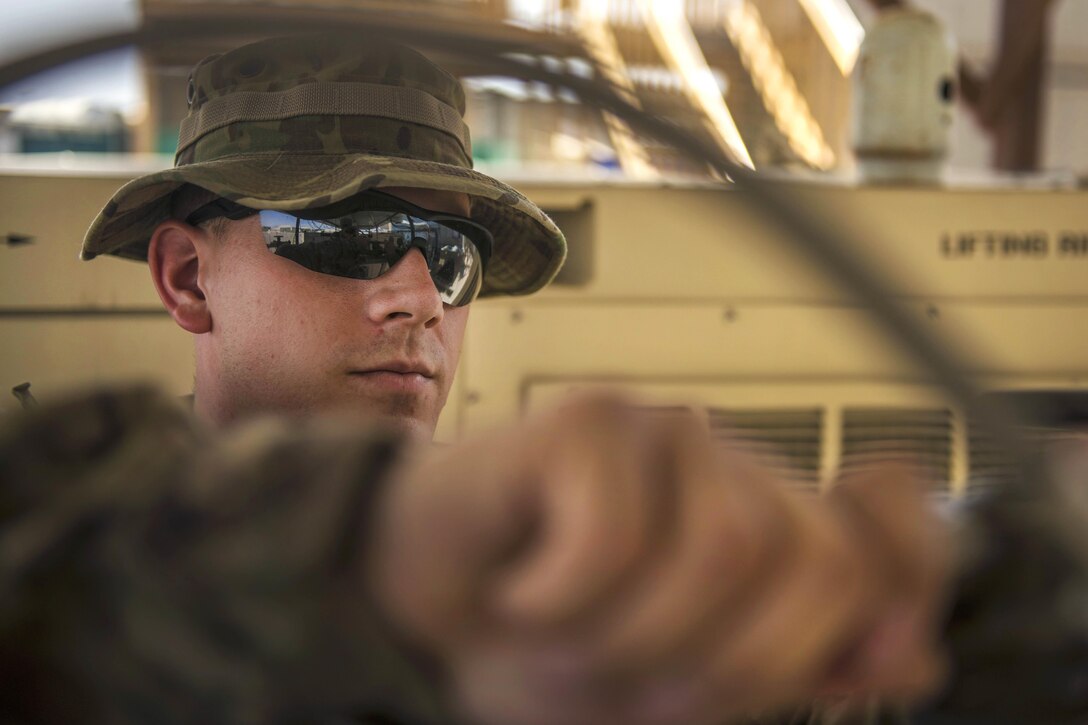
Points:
x=593 y=27
x=672 y=35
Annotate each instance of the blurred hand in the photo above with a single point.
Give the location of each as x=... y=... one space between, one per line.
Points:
x=600 y=564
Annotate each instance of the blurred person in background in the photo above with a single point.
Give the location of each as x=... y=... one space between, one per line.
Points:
x=291 y=549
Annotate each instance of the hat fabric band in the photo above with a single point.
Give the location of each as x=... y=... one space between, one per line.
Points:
x=332 y=136
x=331 y=99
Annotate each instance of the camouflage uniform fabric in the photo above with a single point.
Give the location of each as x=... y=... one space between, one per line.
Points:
x=155 y=571
x=302 y=122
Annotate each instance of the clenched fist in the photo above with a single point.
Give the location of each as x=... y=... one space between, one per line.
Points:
x=601 y=564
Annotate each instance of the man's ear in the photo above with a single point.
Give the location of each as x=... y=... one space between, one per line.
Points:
x=174 y=256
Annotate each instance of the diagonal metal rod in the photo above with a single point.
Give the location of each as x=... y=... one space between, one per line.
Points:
x=1031 y=515
x=830 y=247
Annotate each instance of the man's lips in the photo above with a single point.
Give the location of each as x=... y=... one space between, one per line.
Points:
x=395 y=376
x=396 y=367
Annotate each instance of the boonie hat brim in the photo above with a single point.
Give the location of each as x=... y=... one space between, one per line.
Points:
x=529 y=247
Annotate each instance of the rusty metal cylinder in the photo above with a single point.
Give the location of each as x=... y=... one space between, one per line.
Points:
x=904 y=89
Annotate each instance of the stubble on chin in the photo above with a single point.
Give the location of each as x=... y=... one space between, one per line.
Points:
x=406 y=412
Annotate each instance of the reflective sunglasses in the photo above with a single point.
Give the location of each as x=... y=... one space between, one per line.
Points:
x=364 y=236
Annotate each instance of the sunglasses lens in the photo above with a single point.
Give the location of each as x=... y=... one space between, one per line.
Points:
x=367 y=244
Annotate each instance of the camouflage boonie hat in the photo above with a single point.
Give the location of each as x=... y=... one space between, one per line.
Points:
x=301 y=122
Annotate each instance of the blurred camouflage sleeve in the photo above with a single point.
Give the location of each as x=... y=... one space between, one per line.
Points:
x=151 y=571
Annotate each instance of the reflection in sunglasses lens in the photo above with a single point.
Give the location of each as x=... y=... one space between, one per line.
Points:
x=367 y=244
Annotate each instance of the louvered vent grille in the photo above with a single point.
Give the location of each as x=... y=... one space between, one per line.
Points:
x=787 y=440
x=925 y=435
x=989 y=464
x=791 y=441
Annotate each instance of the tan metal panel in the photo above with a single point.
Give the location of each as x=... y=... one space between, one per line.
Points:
x=654 y=242
x=686 y=286
x=700 y=244
x=56 y=211
x=59 y=354
x=1014 y=238
x=513 y=346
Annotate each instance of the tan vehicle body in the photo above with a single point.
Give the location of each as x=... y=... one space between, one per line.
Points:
x=678 y=293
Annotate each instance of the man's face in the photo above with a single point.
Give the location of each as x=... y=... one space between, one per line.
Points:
x=289 y=340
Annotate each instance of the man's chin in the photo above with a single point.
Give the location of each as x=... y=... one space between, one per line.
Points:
x=412 y=413
x=410 y=426
x=408 y=414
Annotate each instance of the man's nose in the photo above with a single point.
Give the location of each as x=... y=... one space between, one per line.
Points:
x=406 y=293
